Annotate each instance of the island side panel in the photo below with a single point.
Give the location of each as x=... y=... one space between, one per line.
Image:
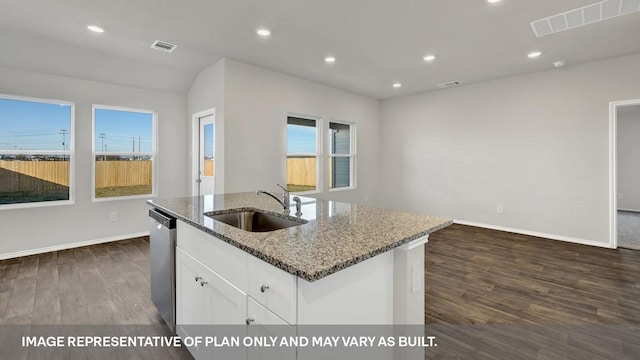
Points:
x=409 y=298
x=360 y=294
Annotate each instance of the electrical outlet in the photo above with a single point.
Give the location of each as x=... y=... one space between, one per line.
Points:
x=500 y=209
x=113 y=217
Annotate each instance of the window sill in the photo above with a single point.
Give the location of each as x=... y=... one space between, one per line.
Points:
x=117 y=198
x=40 y=204
x=342 y=189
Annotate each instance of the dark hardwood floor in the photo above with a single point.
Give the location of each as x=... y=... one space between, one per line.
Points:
x=100 y=284
x=489 y=294
x=104 y=286
x=508 y=296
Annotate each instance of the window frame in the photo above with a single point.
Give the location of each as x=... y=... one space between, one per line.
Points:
x=318 y=154
x=351 y=155
x=153 y=154
x=70 y=153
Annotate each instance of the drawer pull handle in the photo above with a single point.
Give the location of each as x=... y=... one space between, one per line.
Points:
x=249 y=320
x=198 y=278
x=264 y=288
x=203 y=283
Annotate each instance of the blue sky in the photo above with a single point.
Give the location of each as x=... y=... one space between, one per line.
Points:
x=124 y=131
x=27 y=125
x=208 y=141
x=301 y=139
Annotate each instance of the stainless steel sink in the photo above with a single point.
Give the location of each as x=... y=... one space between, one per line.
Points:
x=255 y=220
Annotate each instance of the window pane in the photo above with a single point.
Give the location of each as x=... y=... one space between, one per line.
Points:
x=339 y=138
x=33 y=178
x=339 y=172
x=301 y=139
x=301 y=136
x=123 y=131
x=301 y=173
x=123 y=175
x=30 y=125
x=208 y=150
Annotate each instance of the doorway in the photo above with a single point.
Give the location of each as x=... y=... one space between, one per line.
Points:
x=203 y=153
x=625 y=174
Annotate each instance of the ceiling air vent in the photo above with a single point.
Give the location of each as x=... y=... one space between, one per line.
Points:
x=449 y=84
x=163 y=46
x=590 y=14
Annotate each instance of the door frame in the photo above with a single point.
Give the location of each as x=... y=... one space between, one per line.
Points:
x=613 y=167
x=195 y=146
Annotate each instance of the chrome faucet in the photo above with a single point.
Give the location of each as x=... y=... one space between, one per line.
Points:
x=285 y=198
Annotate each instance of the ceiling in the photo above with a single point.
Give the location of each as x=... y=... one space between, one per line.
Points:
x=375 y=42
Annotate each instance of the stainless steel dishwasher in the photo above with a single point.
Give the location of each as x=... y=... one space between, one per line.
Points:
x=162 y=239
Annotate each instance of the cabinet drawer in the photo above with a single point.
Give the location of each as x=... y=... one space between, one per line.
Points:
x=275 y=289
x=226 y=260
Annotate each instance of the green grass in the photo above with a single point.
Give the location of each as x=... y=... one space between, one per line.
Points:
x=34 y=196
x=299 y=188
x=116 y=191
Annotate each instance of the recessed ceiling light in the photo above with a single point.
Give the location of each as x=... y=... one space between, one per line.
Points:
x=330 y=59
x=263 y=32
x=95 y=28
x=493 y=1
x=397 y=85
x=429 y=57
x=559 y=63
x=534 y=54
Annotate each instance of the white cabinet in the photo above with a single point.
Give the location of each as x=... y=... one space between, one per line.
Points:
x=273 y=288
x=262 y=325
x=204 y=298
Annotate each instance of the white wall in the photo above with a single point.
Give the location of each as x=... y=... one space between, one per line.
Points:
x=629 y=158
x=257 y=102
x=25 y=230
x=207 y=92
x=536 y=143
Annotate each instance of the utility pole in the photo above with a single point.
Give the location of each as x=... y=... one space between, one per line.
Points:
x=102 y=137
x=133 y=138
x=64 y=132
x=138 y=143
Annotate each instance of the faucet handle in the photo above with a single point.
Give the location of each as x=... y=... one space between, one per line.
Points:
x=298 y=206
x=283 y=188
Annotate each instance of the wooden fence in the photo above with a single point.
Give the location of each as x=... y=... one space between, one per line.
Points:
x=108 y=173
x=301 y=171
x=111 y=173
x=56 y=172
x=209 y=167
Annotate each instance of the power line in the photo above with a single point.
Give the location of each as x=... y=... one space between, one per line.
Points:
x=102 y=136
x=64 y=132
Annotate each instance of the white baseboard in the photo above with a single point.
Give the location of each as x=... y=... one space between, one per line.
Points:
x=537 y=234
x=70 y=246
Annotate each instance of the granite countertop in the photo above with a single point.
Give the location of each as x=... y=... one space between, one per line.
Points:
x=336 y=236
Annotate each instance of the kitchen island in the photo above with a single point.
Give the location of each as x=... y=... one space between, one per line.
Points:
x=340 y=264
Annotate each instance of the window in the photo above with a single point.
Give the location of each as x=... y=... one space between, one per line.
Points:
x=302 y=154
x=341 y=155
x=124 y=152
x=36 y=152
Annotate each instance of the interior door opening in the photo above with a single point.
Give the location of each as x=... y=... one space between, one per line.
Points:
x=625 y=179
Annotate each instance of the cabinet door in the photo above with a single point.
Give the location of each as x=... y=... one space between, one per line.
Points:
x=205 y=298
x=266 y=324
